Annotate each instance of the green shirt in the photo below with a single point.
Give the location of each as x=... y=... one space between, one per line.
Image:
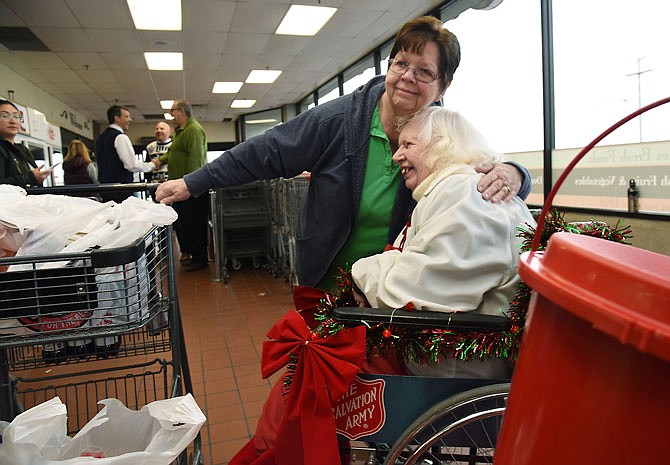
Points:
x=188 y=151
x=369 y=234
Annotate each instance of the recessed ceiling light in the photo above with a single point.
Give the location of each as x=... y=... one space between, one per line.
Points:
x=242 y=103
x=226 y=87
x=168 y=116
x=164 y=61
x=166 y=104
x=303 y=20
x=156 y=15
x=262 y=76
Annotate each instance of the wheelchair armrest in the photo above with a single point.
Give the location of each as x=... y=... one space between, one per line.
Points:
x=465 y=321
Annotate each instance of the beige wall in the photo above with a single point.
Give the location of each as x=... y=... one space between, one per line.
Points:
x=216 y=132
x=648 y=234
x=55 y=111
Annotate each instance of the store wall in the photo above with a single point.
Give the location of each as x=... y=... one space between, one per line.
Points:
x=216 y=132
x=648 y=233
x=55 y=111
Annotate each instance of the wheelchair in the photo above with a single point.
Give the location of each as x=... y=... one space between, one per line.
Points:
x=441 y=420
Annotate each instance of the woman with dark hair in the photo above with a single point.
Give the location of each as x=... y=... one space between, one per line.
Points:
x=356 y=202
x=17 y=164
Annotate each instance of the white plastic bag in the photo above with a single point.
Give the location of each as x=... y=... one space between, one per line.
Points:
x=49 y=224
x=154 y=435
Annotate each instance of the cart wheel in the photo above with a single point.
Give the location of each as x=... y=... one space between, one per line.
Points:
x=256 y=262
x=236 y=264
x=463 y=429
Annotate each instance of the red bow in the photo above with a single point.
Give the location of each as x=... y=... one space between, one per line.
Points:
x=326 y=367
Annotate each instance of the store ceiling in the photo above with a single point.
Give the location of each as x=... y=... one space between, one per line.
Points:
x=94 y=55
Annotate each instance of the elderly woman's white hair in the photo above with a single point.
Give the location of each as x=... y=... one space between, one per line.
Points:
x=450 y=139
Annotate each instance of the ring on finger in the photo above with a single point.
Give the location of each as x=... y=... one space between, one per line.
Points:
x=507 y=189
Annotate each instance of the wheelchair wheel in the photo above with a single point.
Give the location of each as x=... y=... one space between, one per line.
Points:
x=462 y=429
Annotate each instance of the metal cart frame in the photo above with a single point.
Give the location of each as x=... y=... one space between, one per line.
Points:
x=83 y=326
x=240 y=227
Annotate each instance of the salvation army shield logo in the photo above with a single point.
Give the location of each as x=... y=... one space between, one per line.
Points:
x=360 y=411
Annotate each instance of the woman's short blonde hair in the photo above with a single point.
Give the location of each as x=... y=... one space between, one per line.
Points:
x=450 y=139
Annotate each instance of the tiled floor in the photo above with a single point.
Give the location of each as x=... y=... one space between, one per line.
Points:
x=224 y=327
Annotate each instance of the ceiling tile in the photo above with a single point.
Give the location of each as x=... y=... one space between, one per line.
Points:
x=53 y=13
x=104 y=14
x=114 y=40
x=64 y=39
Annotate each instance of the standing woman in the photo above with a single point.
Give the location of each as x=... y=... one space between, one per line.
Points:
x=17 y=164
x=78 y=166
x=356 y=203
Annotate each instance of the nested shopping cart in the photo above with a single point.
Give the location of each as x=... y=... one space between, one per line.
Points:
x=240 y=226
x=87 y=326
x=285 y=198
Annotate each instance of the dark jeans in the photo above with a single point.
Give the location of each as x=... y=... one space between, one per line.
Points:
x=191 y=226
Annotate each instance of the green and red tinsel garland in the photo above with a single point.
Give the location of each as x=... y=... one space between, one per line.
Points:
x=423 y=345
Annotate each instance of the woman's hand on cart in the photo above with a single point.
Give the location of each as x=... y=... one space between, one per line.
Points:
x=172 y=191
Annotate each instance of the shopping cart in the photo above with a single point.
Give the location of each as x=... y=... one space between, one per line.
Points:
x=240 y=226
x=93 y=325
x=284 y=203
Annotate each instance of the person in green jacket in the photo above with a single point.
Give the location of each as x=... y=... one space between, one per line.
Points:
x=187 y=153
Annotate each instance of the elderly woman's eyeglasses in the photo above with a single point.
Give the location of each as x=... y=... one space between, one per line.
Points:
x=420 y=74
x=6 y=115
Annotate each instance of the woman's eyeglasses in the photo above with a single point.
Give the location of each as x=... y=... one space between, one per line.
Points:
x=420 y=74
x=6 y=115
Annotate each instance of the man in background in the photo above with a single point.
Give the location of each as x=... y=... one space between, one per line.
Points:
x=187 y=153
x=157 y=148
x=115 y=155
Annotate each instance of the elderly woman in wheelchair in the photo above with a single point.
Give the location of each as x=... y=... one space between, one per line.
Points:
x=458 y=254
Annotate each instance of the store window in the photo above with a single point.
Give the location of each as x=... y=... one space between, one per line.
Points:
x=258 y=123
x=610 y=59
x=306 y=103
x=327 y=92
x=358 y=74
x=498 y=84
x=385 y=52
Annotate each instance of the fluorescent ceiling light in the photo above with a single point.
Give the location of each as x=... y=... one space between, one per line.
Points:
x=262 y=76
x=226 y=87
x=168 y=116
x=156 y=15
x=302 y=20
x=261 y=121
x=166 y=104
x=164 y=61
x=243 y=103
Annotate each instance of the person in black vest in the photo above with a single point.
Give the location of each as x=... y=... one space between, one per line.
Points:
x=17 y=164
x=115 y=155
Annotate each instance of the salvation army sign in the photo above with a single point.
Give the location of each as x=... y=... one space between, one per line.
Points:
x=360 y=411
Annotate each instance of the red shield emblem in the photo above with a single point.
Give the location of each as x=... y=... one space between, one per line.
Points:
x=360 y=411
